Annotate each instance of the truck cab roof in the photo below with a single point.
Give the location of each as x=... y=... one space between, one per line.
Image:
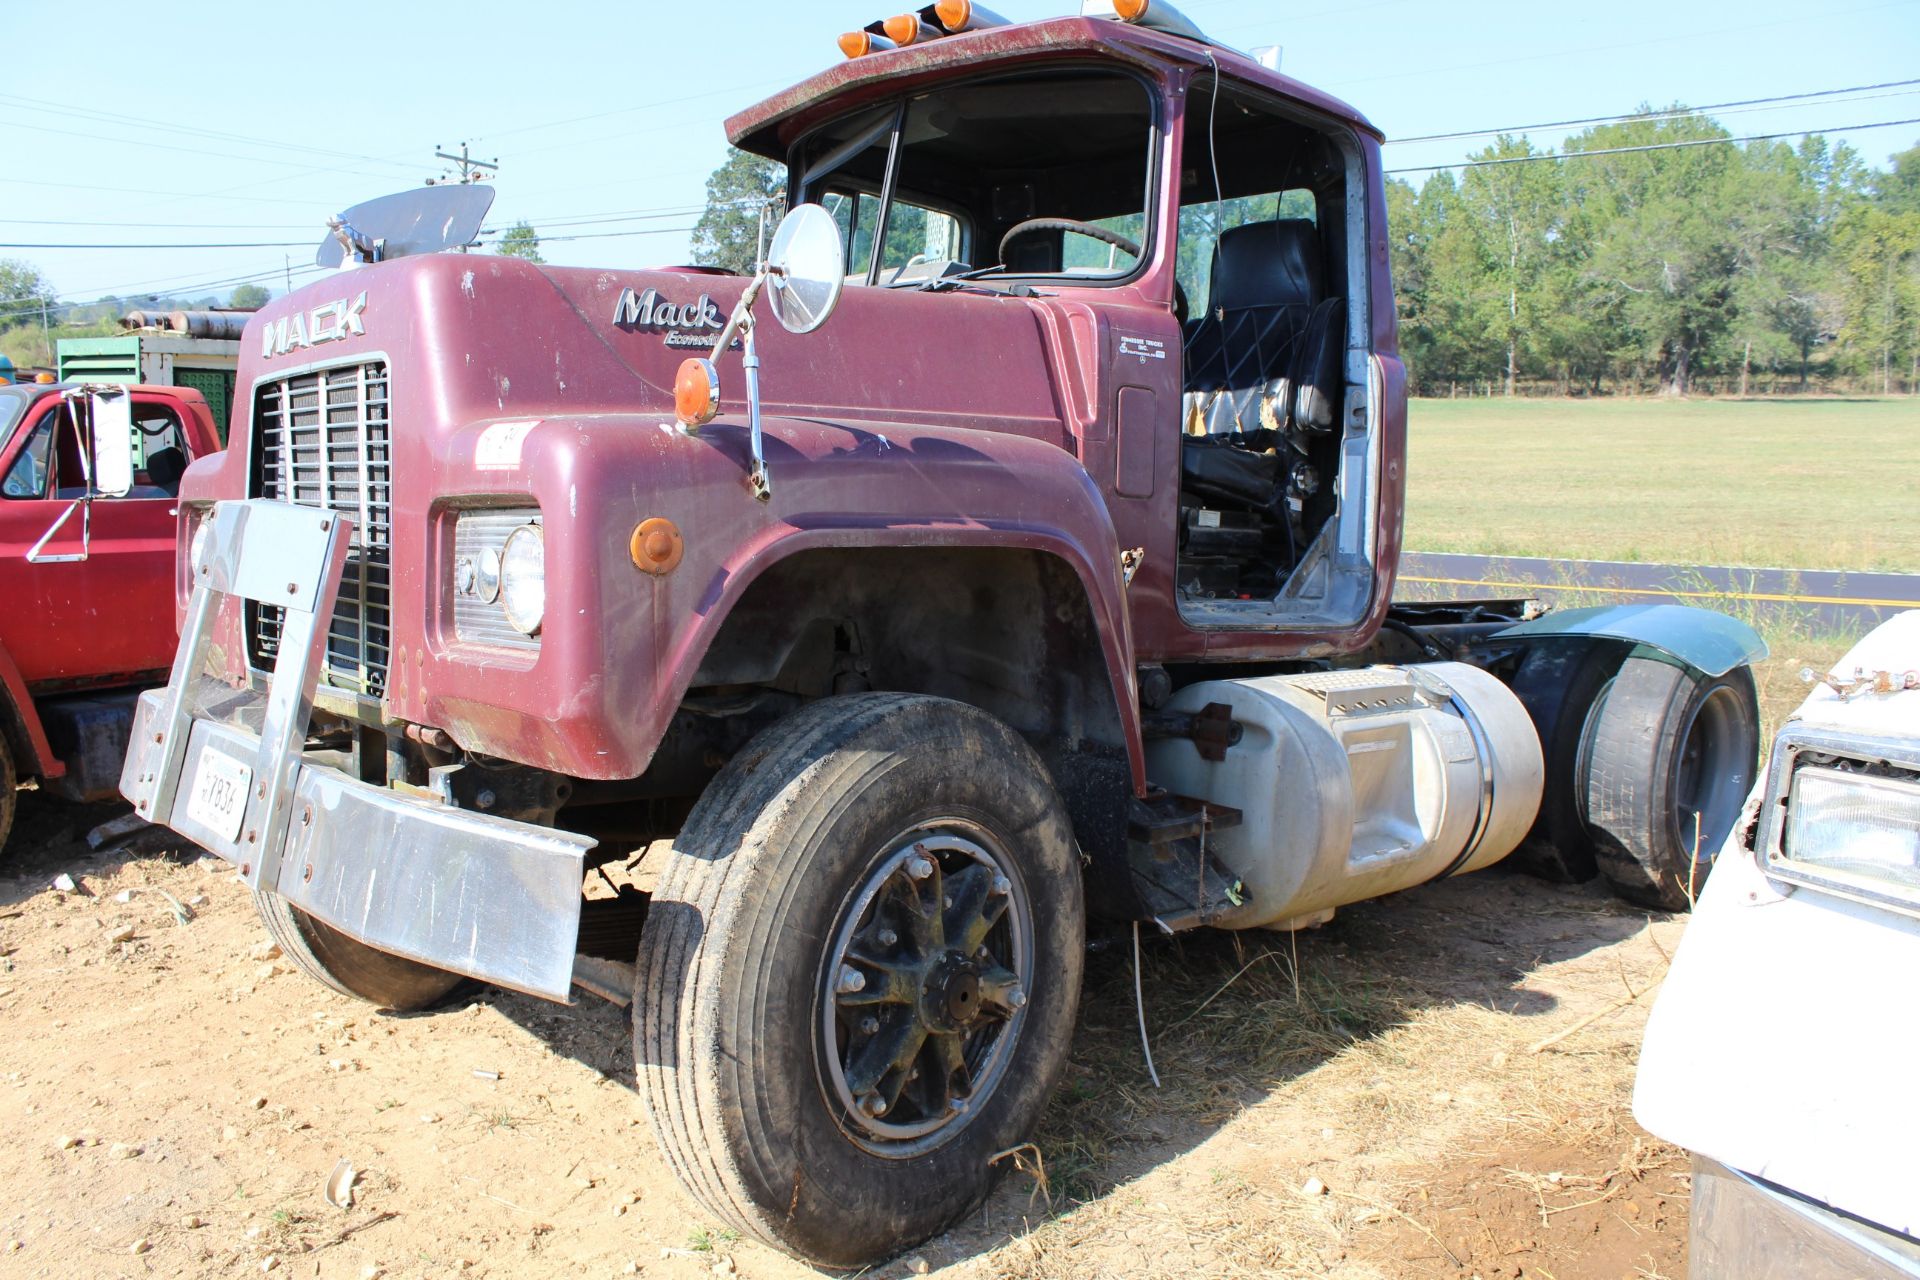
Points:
x=771 y=126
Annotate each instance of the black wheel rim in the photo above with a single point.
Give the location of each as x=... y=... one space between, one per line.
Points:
x=1710 y=778
x=924 y=989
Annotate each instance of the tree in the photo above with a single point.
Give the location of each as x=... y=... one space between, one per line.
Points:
x=249 y=297
x=520 y=241
x=23 y=292
x=728 y=233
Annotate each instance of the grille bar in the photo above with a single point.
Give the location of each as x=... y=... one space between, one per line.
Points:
x=324 y=439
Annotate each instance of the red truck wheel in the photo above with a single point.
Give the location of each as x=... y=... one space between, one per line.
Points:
x=859 y=976
x=351 y=967
x=1669 y=759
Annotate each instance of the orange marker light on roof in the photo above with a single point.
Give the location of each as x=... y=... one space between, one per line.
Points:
x=1131 y=10
x=859 y=44
x=956 y=16
x=45 y=379
x=696 y=393
x=908 y=29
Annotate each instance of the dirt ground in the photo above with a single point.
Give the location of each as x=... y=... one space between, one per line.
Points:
x=1361 y=1101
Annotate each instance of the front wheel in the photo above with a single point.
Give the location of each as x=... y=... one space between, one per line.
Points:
x=859 y=976
x=1669 y=758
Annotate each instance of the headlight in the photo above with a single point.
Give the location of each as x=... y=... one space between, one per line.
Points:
x=486 y=579
x=1861 y=827
x=523 y=579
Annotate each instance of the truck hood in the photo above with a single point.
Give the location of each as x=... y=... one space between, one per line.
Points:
x=500 y=338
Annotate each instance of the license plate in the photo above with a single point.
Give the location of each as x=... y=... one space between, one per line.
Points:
x=219 y=798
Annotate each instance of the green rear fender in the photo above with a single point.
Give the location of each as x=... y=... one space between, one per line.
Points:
x=1711 y=643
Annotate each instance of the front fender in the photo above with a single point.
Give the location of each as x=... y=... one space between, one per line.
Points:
x=20 y=723
x=1711 y=643
x=621 y=647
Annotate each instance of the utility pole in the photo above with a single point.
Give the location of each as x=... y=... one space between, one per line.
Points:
x=471 y=169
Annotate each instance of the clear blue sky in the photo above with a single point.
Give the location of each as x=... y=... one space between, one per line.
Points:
x=605 y=111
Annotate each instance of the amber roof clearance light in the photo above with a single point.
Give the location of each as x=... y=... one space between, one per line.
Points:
x=908 y=29
x=859 y=44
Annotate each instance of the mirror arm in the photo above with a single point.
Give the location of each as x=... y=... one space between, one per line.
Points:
x=740 y=325
x=750 y=361
x=85 y=507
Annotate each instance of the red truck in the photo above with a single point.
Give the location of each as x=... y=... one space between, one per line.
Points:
x=1050 y=580
x=86 y=574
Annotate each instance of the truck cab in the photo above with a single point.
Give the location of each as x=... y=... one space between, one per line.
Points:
x=1037 y=567
x=88 y=577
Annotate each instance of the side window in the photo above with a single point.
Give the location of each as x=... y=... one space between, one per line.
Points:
x=160 y=452
x=1201 y=226
x=27 y=477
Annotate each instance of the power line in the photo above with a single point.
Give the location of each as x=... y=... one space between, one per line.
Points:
x=1655 y=146
x=257 y=244
x=78 y=112
x=1649 y=115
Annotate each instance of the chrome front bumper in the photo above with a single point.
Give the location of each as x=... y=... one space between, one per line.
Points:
x=481 y=896
x=1744 y=1229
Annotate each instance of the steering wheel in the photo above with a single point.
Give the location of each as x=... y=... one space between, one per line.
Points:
x=1087 y=229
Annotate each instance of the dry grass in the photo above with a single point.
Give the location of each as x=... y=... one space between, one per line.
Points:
x=1809 y=484
x=1366 y=1055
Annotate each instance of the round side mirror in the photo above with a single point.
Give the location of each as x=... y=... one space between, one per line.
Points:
x=807 y=268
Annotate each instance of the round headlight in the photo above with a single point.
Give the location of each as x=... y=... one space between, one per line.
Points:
x=523 y=579
x=486 y=575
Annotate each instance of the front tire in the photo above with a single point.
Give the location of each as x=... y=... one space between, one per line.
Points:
x=860 y=973
x=351 y=967
x=1670 y=757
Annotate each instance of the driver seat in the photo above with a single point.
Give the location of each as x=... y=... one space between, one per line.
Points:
x=1266 y=353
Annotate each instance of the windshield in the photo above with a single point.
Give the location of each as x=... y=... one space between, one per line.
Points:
x=13 y=402
x=1044 y=174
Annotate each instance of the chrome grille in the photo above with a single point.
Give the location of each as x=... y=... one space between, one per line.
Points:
x=324 y=439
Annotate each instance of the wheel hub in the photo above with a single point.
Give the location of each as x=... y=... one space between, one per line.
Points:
x=923 y=988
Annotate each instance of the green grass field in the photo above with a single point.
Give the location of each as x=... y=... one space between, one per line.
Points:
x=1799 y=484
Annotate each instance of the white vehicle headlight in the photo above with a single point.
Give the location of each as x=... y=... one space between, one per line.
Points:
x=523 y=579
x=1860 y=827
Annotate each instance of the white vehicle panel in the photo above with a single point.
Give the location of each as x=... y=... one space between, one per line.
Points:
x=1784 y=1040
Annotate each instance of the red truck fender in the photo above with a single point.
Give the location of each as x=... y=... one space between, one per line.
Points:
x=25 y=735
x=622 y=647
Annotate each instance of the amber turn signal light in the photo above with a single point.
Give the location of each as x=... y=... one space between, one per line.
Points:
x=696 y=393
x=657 y=547
x=1131 y=10
x=908 y=29
x=858 y=44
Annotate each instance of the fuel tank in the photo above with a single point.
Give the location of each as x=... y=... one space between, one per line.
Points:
x=1355 y=784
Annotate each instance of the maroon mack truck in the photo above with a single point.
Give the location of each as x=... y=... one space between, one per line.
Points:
x=1034 y=568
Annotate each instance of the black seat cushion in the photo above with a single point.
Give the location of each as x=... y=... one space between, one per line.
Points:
x=1266 y=353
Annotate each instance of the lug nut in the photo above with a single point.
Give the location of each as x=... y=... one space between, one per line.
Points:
x=873 y=1105
x=957 y=1106
x=869 y=1026
x=920 y=867
x=851 y=980
x=1002 y=886
x=1017 y=998
x=888 y=937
